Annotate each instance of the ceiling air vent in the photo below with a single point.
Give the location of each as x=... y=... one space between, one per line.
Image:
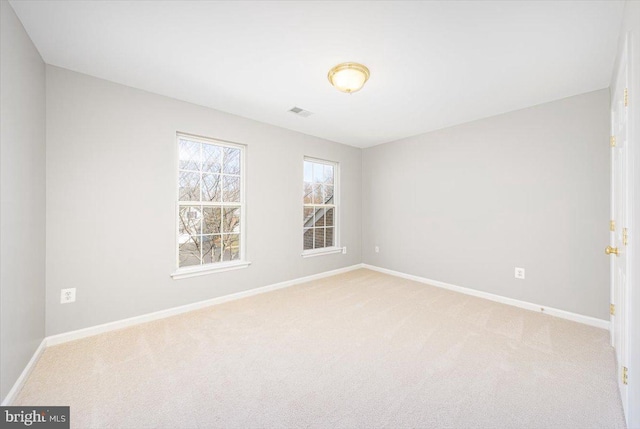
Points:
x=300 y=112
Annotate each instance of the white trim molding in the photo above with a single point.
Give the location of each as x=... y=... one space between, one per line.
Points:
x=17 y=386
x=124 y=323
x=323 y=251
x=587 y=320
x=201 y=270
x=132 y=321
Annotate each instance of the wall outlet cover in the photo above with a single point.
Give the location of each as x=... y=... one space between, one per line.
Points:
x=519 y=272
x=67 y=295
x=344 y=250
x=377 y=249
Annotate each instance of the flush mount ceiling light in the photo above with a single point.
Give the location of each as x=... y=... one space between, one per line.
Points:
x=348 y=77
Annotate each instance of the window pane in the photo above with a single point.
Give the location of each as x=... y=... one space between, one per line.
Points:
x=318 y=172
x=189 y=154
x=212 y=220
x=231 y=160
x=189 y=252
x=317 y=194
x=308 y=193
x=328 y=174
x=211 y=249
x=211 y=158
x=319 y=238
x=211 y=187
x=307 y=216
x=329 y=237
x=308 y=172
x=319 y=217
x=231 y=219
x=231 y=247
x=231 y=189
x=189 y=184
x=190 y=219
x=327 y=191
x=209 y=178
x=328 y=217
x=308 y=238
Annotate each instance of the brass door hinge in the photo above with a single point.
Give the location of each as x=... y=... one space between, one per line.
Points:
x=626 y=97
x=612 y=225
x=612 y=141
x=625 y=236
x=612 y=309
x=625 y=375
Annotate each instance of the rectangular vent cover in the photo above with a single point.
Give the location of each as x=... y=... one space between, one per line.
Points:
x=300 y=112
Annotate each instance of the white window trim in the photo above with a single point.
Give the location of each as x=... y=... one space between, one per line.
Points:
x=215 y=267
x=200 y=270
x=320 y=252
x=336 y=248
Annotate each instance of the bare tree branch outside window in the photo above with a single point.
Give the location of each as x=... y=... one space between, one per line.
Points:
x=209 y=202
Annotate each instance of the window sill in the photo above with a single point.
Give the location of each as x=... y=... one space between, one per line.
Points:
x=184 y=273
x=320 y=252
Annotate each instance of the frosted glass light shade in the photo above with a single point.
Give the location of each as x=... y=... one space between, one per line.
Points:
x=348 y=77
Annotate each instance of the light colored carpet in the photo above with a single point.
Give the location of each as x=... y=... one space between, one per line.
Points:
x=361 y=349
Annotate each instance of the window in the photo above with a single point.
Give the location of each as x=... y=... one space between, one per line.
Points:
x=320 y=207
x=210 y=204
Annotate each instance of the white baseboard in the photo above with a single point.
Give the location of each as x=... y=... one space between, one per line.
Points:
x=17 y=386
x=124 y=323
x=587 y=320
x=120 y=324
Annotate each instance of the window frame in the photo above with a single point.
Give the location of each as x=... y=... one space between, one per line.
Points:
x=212 y=267
x=336 y=248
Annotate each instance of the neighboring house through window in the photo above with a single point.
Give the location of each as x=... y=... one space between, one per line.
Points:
x=210 y=203
x=320 y=229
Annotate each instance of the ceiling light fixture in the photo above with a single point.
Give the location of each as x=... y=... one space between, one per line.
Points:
x=348 y=77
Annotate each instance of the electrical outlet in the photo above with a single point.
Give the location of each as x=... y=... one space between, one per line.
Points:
x=520 y=273
x=344 y=250
x=67 y=295
x=377 y=249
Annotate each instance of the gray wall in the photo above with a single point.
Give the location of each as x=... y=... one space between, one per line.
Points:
x=467 y=204
x=631 y=25
x=111 y=189
x=22 y=190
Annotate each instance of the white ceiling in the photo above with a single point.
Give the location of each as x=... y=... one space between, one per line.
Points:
x=433 y=64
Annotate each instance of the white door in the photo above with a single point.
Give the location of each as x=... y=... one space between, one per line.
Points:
x=617 y=248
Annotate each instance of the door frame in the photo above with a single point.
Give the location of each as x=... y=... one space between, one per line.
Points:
x=631 y=309
x=631 y=42
x=620 y=206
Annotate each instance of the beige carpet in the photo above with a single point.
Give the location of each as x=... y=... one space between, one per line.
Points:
x=358 y=350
